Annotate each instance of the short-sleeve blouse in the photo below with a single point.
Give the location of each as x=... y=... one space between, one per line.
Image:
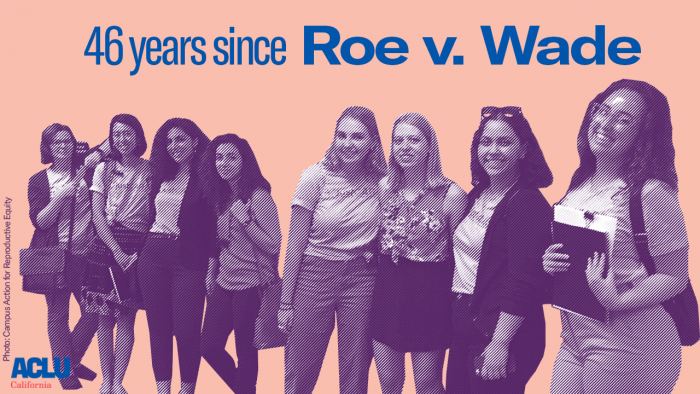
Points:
x=345 y=212
x=663 y=220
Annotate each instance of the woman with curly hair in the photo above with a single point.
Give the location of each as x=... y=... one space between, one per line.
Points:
x=173 y=265
x=626 y=153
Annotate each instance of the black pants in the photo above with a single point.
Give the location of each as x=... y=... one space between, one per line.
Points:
x=232 y=310
x=174 y=300
x=527 y=347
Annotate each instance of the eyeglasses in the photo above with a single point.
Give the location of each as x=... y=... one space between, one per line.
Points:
x=62 y=142
x=601 y=112
x=509 y=111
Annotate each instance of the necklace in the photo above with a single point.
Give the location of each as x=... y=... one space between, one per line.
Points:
x=411 y=203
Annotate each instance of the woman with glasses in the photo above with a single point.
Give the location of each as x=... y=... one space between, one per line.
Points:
x=327 y=270
x=626 y=154
x=498 y=321
x=59 y=204
x=411 y=305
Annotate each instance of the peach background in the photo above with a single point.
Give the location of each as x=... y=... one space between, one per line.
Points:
x=288 y=112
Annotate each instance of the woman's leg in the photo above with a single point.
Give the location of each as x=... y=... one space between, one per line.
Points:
x=567 y=377
x=391 y=368
x=155 y=283
x=187 y=305
x=312 y=324
x=459 y=366
x=218 y=324
x=123 y=347
x=85 y=329
x=245 y=306
x=57 y=304
x=105 y=341
x=354 y=339
x=427 y=371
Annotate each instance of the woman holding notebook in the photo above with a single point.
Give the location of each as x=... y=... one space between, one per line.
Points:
x=626 y=153
x=498 y=321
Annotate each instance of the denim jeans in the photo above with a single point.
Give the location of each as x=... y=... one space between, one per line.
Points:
x=326 y=289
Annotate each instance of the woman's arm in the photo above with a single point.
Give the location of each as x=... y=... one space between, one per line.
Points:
x=668 y=244
x=99 y=219
x=455 y=206
x=264 y=226
x=528 y=216
x=299 y=230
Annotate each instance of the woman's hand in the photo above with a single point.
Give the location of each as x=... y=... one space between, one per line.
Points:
x=284 y=319
x=241 y=211
x=93 y=159
x=553 y=261
x=603 y=288
x=67 y=191
x=495 y=361
x=121 y=258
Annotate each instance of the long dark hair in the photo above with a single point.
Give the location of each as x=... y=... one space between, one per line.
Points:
x=534 y=171
x=164 y=167
x=47 y=137
x=652 y=154
x=131 y=121
x=216 y=190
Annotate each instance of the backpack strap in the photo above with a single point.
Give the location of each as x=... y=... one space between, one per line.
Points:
x=641 y=240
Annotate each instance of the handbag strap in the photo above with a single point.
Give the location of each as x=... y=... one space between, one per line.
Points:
x=641 y=239
x=71 y=220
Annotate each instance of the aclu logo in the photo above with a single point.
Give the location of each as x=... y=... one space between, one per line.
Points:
x=37 y=367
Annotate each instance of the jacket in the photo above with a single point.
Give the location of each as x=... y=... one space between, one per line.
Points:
x=510 y=277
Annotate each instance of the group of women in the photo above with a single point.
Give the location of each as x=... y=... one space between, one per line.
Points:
x=399 y=255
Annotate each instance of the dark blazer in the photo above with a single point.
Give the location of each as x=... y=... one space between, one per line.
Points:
x=510 y=277
x=197 y=223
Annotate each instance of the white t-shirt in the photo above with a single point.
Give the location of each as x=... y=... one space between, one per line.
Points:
x=468 y=241
x=168 y=202
x=346 y=214
x=128 y=195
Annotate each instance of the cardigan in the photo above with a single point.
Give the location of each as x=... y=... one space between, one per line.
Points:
x=510 y=277
x=197 y=223
x=39 y=194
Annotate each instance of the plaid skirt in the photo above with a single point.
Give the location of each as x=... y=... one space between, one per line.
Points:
x=99 y=293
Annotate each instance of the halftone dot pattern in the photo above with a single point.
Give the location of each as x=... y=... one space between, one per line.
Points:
x=638 y=349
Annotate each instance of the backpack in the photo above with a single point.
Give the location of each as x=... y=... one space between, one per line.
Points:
x=683 y=307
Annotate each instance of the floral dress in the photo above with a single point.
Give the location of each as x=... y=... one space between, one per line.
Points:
x=411 y=305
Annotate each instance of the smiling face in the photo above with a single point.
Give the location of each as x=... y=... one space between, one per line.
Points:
x=409 y=146
x=615 y=124
x=500 y=149
x=180 y=145
x=228 y=161
x=352 y=141
x=124 y=138
x=62 y=146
